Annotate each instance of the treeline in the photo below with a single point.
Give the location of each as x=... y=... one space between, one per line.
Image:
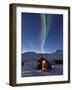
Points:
x=58 y=61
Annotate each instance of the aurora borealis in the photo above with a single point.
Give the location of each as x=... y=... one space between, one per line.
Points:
x=41 y=33
x=45 y=31
x=43 y=36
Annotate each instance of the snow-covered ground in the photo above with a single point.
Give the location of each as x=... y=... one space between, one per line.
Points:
x=29 y=71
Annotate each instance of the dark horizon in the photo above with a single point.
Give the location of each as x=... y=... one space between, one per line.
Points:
x=43 y=53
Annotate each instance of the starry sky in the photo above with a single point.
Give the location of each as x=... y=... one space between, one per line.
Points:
x=32 y=30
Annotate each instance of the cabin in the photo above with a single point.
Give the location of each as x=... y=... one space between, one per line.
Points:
x=43 y=64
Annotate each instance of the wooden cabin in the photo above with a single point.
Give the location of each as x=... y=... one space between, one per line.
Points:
x=44 y=65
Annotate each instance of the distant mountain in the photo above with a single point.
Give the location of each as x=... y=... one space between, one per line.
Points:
x=30 y=56
x=58 y=52
x=57 y=55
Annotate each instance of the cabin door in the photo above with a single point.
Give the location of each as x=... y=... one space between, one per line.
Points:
x=43 y=65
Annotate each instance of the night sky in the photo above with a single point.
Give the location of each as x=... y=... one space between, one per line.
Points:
x=31 y=29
